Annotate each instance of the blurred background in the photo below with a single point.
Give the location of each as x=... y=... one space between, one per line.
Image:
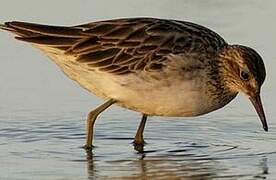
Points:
x=42 y=112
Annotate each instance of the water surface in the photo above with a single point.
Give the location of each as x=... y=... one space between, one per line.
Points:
x=42 y=112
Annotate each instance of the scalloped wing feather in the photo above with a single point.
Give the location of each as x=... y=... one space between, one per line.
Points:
x=124 y=45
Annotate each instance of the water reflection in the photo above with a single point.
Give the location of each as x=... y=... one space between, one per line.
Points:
x=147 y=167
x=90 y=165
x=174 y=164
x=40 y=134
x=264 y=169
x=186 y=150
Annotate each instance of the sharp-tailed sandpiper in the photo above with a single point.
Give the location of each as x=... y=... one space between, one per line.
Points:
x=154 y=66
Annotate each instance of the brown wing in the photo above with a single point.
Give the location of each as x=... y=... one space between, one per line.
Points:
x=123 y=45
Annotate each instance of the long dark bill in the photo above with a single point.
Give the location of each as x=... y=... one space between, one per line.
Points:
x=256 y=101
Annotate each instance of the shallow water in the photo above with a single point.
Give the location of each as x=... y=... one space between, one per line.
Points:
x=42 y=112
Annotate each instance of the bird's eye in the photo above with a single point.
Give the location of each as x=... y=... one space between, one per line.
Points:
x=244 y=76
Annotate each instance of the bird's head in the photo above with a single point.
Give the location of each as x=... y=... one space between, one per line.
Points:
x=243 y=71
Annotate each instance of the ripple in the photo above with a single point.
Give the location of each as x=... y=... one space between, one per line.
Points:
x=175 y=149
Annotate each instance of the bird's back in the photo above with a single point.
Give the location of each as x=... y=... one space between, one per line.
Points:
x=122 y=45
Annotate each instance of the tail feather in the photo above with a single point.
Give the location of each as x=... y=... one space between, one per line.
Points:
x=6 y=28
x=54 y=36
x=25 y=30
x=2 y=26
x=19 y=33
x=50 y=41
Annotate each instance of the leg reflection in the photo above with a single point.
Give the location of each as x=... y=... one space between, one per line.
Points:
x=90 y=165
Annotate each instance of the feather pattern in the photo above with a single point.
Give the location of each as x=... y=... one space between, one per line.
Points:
x=122 y=46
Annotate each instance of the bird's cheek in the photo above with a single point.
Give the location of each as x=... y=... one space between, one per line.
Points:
x=250 y=91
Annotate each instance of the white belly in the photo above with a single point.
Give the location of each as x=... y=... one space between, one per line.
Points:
x=168 y=96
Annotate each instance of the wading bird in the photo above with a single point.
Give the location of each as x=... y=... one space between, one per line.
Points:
x=154 y=66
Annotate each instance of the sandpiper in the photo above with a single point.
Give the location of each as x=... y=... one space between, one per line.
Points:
x=154 y=66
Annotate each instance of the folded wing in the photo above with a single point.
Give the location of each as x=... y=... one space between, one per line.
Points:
x=124 y=45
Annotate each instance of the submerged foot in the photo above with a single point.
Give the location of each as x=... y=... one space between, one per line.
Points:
x=88 y=148
x=139 y=146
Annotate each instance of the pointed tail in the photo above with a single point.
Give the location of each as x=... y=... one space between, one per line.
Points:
x=5 y=27
x=55 y=36
x=24 y=29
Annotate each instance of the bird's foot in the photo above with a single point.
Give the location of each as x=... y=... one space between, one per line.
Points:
x=88 y=148
x=139 y=146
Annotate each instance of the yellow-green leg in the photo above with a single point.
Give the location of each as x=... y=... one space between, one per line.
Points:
x=92 y=116
x=139 y=138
